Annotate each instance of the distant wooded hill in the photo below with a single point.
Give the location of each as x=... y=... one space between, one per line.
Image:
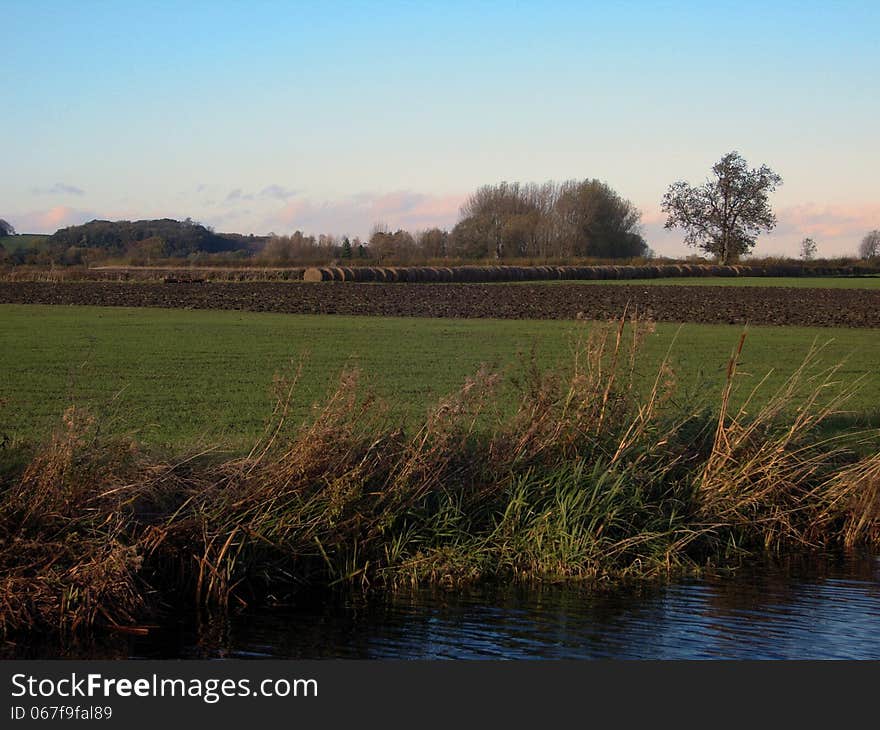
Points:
x=160 y=238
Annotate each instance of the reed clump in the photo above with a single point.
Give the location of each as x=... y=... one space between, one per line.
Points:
x=66 y=557
x=587 y=477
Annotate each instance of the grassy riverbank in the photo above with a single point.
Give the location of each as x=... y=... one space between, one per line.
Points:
x=590 y=470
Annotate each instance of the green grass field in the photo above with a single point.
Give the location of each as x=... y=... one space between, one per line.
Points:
x=176 y=379
x=806 y=282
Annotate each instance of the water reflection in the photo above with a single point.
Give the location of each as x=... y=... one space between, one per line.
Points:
x=828 y=609
x=820 y=609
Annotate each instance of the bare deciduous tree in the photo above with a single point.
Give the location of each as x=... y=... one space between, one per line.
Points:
x=808 y=249
x=870 y=245
x=724 y=215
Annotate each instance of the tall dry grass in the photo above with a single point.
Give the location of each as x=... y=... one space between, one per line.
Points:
x=588 y=476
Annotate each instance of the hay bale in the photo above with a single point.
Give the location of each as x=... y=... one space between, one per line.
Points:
x=638 y=272
x=315 y=274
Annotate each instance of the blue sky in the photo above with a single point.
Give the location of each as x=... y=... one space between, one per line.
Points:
x=330 y=117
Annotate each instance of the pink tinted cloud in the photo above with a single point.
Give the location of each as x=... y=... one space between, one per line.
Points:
x=357 y=214
x=51 y=219
x=829 y=221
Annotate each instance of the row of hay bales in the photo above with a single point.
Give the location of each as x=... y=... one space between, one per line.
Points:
x=479 y=274
x=376 y=273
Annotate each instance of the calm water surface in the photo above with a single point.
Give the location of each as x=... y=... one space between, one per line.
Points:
x=821 y=610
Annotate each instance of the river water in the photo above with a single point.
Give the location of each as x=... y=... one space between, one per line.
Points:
x=815 y=609
x=827 y=609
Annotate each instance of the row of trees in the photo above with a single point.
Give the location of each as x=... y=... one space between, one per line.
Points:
x=573 y=219
x=299 y=248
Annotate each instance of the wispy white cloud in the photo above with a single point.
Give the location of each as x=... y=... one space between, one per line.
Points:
x=59 y=189
x=236 y=195
x=270 y=192
x=277 y=192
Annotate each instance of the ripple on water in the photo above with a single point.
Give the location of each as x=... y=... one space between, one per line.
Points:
x=822 y=611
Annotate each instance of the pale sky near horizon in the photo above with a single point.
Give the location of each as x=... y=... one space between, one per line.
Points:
x=329 y=117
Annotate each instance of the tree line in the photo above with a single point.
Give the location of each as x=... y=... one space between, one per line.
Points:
x=509 y=220
x=570 y=220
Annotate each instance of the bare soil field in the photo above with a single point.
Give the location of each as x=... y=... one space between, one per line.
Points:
x=727 y=305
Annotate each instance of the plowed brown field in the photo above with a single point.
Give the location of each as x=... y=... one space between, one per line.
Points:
x=734 y=305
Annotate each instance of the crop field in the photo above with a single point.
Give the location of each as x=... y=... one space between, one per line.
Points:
x=707 y=305
x=790 y=282
x=177 y=378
